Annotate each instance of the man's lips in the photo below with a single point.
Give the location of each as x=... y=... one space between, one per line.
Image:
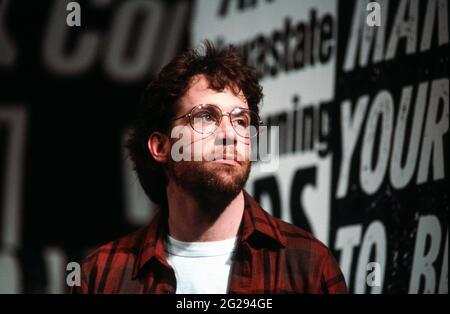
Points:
x=230 y=162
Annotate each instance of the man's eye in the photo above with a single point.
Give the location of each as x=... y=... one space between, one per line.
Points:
x=207 y=117
x=241 y=122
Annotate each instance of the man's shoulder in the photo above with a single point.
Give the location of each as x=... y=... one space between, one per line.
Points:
x=127 y=244
x=305 y=254
x=115 y=257
x=292 y=237
x=296 y=238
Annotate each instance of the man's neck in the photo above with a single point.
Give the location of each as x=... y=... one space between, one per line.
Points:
x=189 y=222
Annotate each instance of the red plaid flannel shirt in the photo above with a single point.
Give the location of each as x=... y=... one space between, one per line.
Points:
x=272 y=257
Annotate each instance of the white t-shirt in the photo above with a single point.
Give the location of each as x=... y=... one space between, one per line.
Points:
x=201 y=267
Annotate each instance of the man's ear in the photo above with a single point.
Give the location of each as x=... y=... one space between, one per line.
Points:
x=159 y=146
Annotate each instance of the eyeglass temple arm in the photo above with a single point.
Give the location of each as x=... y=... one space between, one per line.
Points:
x=183 y=116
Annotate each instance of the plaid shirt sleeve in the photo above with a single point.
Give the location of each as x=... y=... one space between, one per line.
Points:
x=332 y=279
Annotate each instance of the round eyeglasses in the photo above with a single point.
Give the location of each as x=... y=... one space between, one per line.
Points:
x=205 y=119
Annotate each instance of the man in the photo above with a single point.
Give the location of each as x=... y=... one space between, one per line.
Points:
x=209 y=235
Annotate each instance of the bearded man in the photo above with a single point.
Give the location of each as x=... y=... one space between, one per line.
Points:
x=208 y=234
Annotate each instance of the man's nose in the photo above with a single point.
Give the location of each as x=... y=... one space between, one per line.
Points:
x=225 y=132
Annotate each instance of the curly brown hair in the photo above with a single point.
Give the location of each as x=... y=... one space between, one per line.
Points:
x=223 y=68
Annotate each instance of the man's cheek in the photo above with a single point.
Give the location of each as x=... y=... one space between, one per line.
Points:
x=243 y=151
x=206 y=147
x=182 y=147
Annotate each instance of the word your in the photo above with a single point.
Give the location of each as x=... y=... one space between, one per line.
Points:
x=375 y=121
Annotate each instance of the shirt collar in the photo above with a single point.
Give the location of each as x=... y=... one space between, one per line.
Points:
x=152 y=244
x=256 y=225
x=256 y=221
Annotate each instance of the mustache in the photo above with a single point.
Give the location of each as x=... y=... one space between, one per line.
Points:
x=228 y=154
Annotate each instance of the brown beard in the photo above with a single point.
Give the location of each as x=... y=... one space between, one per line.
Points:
x=213 y=186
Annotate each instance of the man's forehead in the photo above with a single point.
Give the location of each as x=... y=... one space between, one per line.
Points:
x=200 y=83
x=200 y=92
